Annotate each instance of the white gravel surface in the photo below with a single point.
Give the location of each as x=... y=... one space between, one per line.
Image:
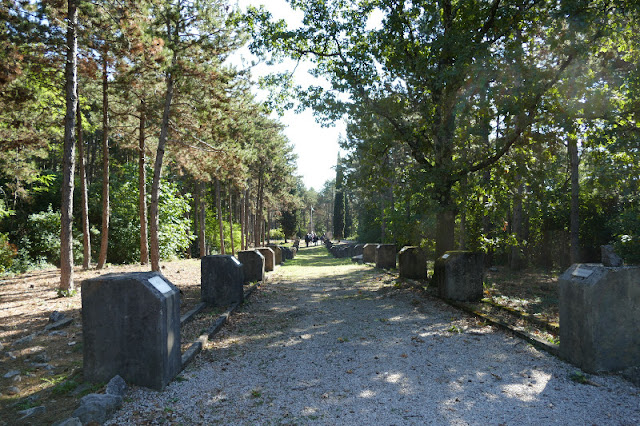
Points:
x=346 y=348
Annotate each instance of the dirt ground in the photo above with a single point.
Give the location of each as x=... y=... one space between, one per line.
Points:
x=49 y=364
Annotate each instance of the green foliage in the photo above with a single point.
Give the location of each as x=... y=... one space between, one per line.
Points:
x=7 y=253
x=627 y=241
x=276 y=234
x=40 y=246
x=289 y=223
x=213 y=234
x=66 y=293
x=124 y=232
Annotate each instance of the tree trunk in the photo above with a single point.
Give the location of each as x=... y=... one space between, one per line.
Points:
x=68 y=159
x=575 y=201
x=258 y=214
x=142 y=189
x=86 y=234
x=445 y=224
x=203 y=221
x=157 y=171
x=445 y=219
x=267 y=231
x=462 y=236
x=219 y=207
x=516 y=255
x=242 y=222
x=196 y=216
x=233 y=249
x=104 y=234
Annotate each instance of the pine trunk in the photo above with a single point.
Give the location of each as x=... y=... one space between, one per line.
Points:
x=142 y=189
x=233 y=249
x=203 y=221
x=157 y=172
x=104 y=234
x=86 y=235
x=219 y=207
x=68 y=159
x=242 y=223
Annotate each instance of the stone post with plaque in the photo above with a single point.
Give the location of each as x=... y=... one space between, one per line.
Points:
x=600 y=317
x=222 y=277
x=269 y=258
x=369 y=253
x=386 y=256
x=459 y=275
x=412 y=263
x=252 y=264
x=131 y=328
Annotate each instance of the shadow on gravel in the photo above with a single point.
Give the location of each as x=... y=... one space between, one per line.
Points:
x=350 y=347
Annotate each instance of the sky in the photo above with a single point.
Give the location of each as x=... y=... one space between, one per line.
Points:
x=316 y=146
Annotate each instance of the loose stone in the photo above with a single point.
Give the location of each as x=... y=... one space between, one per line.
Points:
x=11 y=374
x=32 y=412
x=25 y=339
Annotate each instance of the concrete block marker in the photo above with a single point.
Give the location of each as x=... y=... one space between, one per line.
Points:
x=600 y=317
x=269 y=258
x=459 y=275
x=386 y=256
x=369 y=253
x=277 y=252
x=252 y=264
x=412 y=263
x=222 y=280
x=131 y=328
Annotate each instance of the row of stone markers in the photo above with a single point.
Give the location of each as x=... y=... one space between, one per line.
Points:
x=131 y=322
x=599 y=303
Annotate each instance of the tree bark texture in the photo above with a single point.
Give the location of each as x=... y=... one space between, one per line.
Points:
x=142 y=188
x=104 y=233
x=219 y=207
x=154 y=223
x=517 y=262
x=574 y=254
x=233 y=249
x=203 y=221
x=86 y=234
x=68 y=159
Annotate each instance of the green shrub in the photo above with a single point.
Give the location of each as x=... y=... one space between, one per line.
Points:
x=7 y=253
x=40 y=247
x=213 y=234
x=627 y=236
x=275 y=234
x=124 y=231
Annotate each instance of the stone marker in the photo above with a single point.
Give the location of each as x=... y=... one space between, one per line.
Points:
x=357 y=259
x=358 y=249
x=386 y=256
x=222 y=278
x=287 y=253
x=277 y=252
x=609 y=257
x=600 y=317
x=269 y=258
x=459 y=275
x=369 y=253
x=131 y=328
x=252 y=265
x=412 y=263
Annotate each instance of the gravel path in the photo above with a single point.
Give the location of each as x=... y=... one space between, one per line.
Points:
x=343 y=347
